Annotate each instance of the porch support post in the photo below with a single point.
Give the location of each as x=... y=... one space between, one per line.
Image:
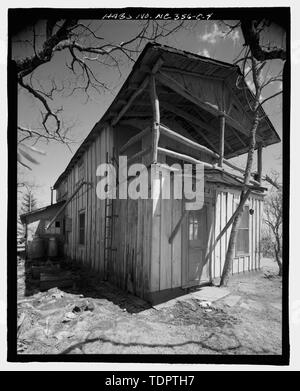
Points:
x=221 y=145
x=259 y=162
x=156 y=117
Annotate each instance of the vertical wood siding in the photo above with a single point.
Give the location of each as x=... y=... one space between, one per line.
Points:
x=90 y=254
x=226 y=204
x=142 y=259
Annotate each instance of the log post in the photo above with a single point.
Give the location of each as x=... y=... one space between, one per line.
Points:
x=156 y=117
x=259 y=162
x=221 y=145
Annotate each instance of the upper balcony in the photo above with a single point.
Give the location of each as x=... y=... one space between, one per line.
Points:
x=187 y=107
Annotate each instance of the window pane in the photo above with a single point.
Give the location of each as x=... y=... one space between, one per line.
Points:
x=191 y=230
x=242 y=243
x=196 y=230
x=81 y=228
x=244 y=222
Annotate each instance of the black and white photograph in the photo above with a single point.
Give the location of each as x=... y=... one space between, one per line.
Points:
x=148 y=185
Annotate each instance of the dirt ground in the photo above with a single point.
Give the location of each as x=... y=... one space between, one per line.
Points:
x=94 y=317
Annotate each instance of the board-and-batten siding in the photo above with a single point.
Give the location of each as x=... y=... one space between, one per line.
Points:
x=226 y=203
x=142 y=259
x=91 y=253
x=165 y=270
x=168 y=260
x=129 y=265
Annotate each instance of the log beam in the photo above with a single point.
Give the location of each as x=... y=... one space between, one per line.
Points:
x=134 y=139
x=190 y=118
x=186 y=141
x=182 y=156
x=193 y=144
x=130 y=101
x=175 y=86
x=156 y=117
x=195 y=123
x=136 y=93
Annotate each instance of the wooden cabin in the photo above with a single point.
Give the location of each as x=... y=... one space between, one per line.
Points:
x=36 y=223
x=175 y=107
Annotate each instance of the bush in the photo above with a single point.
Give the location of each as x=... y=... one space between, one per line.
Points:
x=267 y=247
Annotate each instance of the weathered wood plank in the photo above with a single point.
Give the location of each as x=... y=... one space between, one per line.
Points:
x=98 y=210
x=218 y=230
x=176 y=243
x=156 y=235
x=223 y=222
x=165 y=246
x=210 y=234
x=186 y=141
x=257 y=234
x=130 y=101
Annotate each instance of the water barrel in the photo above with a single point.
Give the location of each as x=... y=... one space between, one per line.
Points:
x=36 y=248
x=52 y=247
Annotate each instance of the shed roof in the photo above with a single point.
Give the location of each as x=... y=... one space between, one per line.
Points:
x=36 y=214
x=216 y=176
x=196 y=68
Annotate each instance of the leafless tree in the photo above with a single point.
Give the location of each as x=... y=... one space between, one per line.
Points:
x=253 y=60
x=26 y=203
x=85 y=52
x=273 y=219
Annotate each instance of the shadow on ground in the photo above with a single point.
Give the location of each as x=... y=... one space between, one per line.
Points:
x=84 y=282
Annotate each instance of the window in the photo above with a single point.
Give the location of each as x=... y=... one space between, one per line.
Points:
x=193 y=227
x=54 y=228
x=65 y=187
x=79 y=172
x=242 y=242
x=81 y=227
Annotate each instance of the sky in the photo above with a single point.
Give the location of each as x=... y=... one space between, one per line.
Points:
x=203 y=37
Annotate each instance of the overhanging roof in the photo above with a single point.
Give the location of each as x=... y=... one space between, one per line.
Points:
x=181 y=108
x=36 y=214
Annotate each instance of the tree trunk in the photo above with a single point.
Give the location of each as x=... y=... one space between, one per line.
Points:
x=277 y=256
x=279 y=263
x=230 y=250
x=233 y=235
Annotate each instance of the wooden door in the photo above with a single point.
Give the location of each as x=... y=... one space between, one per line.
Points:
x=196 y=267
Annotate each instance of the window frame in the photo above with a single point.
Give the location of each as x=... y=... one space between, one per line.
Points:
x=80 y=228
x=244 y=253
x=53 y=230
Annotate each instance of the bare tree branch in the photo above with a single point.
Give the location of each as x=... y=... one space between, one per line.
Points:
x=251 y=31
